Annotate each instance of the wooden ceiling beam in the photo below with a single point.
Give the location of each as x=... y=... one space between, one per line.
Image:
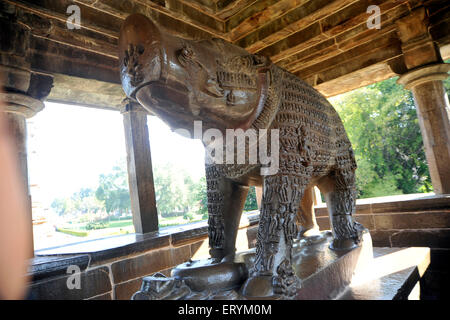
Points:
x=233 y=8
x=187 y=10
x=246 y=13
x=257 y=20
x=344 y=41
x=349 y=62
x=221 y=9
x=50 y=56
x=107 y=25
x=56 y=30
x=331 y=26
x=288 y=24
x=173 y=21
x=212 y=6
x=354 y=80
x=333 y=51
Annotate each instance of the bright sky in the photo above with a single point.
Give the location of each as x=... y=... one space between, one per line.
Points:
x=69 y=146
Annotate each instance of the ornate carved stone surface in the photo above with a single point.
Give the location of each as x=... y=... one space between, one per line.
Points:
x=225 y=87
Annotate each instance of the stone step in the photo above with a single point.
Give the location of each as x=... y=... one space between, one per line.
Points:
x=394 y=274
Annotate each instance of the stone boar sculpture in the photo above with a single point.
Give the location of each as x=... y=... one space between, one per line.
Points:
x=183 y=81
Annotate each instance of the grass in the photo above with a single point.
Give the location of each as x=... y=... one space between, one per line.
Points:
x=114 y=227
x=73 y=232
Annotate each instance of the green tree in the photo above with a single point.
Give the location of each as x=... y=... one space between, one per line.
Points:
x=60 y=206
x=169 y=191
x=382 y=124
x=250 y=202
x=113 y=190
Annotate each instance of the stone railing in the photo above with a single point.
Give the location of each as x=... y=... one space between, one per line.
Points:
x=113 y=267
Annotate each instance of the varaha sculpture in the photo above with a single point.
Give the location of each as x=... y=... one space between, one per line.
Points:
x=225 y=87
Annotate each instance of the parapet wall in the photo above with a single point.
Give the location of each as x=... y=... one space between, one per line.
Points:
x=112 y=268
x=402 y=221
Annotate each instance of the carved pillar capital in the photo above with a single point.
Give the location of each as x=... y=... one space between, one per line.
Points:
x=21 y=104
x=424 y=74
x=25 y=96
x=23 y=89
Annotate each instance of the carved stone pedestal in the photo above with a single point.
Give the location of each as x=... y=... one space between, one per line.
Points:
x=323 y=273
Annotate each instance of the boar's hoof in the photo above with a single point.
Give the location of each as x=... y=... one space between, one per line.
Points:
x=352 y=241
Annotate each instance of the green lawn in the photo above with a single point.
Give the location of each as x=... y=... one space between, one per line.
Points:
x=114 y=227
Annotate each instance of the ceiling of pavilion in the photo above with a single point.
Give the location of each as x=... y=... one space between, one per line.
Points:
x=325 y=42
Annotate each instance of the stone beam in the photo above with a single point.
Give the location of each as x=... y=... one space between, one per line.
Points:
x=86 y=92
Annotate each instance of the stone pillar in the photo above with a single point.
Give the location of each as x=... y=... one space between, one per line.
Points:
x=19 y=107
x=23 y=90
x=140 y=172
x=433 y=112
x=16 y=116
x=426 y=71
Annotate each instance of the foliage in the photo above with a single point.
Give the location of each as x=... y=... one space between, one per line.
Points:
x=382 y=124
x=96 y=225
x=113 y=190
x=83 y=201
x=251 y=203
x=172 y=189
x=188 y=216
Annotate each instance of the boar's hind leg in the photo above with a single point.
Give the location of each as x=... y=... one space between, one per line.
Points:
x=226 y=201
x=340 y=194
x=306 y=215
x=273 y=273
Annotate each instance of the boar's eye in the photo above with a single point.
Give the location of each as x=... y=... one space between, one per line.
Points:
x=231 y=98
x=187 y=52
x=140 y=49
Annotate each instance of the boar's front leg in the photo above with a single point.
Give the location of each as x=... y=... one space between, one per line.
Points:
x=226 y=201
x=273 y=273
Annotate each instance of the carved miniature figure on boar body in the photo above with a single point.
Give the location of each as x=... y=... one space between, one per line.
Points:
x=223 y=86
